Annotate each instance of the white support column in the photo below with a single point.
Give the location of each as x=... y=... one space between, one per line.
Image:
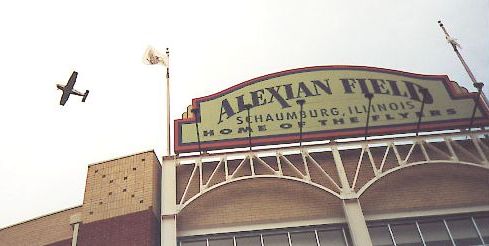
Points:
x=74 y=240
x=356 y=223
x=351 y=206
x=75 y=221
x=168 y=202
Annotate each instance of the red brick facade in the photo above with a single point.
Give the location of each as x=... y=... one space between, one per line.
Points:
x=136 y=229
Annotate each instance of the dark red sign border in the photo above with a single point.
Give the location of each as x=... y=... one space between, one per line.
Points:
x=451 y=87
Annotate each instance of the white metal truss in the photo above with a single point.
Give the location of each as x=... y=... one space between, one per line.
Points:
x=344 y=169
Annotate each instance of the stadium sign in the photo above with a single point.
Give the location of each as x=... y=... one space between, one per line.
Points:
x=335 y=107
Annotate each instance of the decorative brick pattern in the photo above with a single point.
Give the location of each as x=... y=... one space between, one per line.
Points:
x=122 y=186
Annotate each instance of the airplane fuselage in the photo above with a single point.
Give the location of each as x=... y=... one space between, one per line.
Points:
x=68 y=90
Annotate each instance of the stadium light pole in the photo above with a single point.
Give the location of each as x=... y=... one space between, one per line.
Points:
x=153 y=57
x=455 y=45
x=476 y=102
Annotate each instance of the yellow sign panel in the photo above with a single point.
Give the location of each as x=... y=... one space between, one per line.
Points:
x=334 y=106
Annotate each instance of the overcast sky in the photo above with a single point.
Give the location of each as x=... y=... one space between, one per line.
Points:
x=45 y=148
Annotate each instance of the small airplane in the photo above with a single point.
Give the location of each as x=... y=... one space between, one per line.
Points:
x=68 y=90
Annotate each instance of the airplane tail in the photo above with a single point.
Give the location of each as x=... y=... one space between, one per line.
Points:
x=85 y=95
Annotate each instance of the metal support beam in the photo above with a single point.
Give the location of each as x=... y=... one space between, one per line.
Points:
x=345 y=185
x=351 y=206
x=431 y=146
x=248 y=107
x=369 y=96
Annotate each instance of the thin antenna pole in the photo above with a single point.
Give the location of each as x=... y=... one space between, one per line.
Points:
x=168 y=148
x=454 y=45
x=424 y=92
x=369 y=96
x=476 y=103
x=195 y=111
x=477 y=85
x=301 y=104
x=248 y=107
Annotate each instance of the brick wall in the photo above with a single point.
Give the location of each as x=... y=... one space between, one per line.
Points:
x=122 y=202
x=427 y=187
x=122 y=186
x=121 y=207
x=135 y=229
x=52 y=229
x=255 y=201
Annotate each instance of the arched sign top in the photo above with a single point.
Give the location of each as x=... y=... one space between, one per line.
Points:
x=334 y=107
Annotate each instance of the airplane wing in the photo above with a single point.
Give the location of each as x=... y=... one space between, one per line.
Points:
x=71 y=82
x=64 y=97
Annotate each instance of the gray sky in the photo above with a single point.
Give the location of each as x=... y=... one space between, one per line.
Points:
x=45 y=148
